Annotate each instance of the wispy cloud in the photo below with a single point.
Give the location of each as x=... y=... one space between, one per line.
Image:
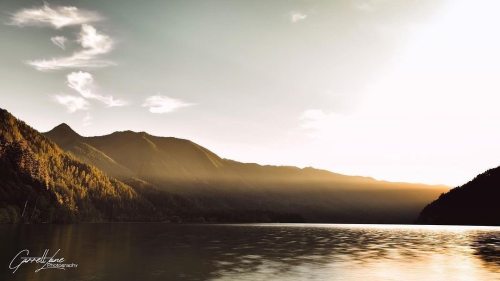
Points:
x=83 y=83
x=296 y=16
x=57 y=17
x=72 y=103
x=77 y=60
x=163 y=104
x=93 y=44
x=59 y=41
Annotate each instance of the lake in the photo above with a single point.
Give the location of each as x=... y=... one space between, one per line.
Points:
x=157 y=251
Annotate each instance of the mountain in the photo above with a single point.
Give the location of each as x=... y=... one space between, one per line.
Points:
x=39 y=182
x=224 y=189
x=70 y=141
x=128 y=176
x=474 y=203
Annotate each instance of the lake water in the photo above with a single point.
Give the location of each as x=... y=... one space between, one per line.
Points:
x=156 y=251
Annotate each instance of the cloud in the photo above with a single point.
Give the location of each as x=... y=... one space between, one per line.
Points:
x=77 y=60
x=93 y=44
x=72 y=103
x=163 y=104
x=83 y=83
x=297 y=16
x=57 y=17
x=59 y=41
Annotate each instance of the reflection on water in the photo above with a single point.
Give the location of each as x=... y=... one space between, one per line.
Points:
x=256 y=252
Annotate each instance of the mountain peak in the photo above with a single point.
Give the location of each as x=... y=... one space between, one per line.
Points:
x=63 y=129
x=64 y=133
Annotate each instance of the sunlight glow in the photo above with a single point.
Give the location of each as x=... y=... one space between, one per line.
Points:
x=433 y=116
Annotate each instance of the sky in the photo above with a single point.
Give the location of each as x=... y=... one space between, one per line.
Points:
x=399 y=90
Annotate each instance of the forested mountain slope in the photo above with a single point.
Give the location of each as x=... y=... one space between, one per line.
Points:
x=474 y=203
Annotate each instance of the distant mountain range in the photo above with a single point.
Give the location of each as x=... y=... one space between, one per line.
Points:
x=474 y=203
x=60 y=176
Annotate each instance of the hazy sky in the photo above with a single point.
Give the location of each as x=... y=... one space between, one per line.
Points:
x=397 y=90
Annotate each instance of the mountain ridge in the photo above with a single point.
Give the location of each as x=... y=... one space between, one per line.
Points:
x=41 y=183
x=63 y=127
x=61 y=176
x=188 y=169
